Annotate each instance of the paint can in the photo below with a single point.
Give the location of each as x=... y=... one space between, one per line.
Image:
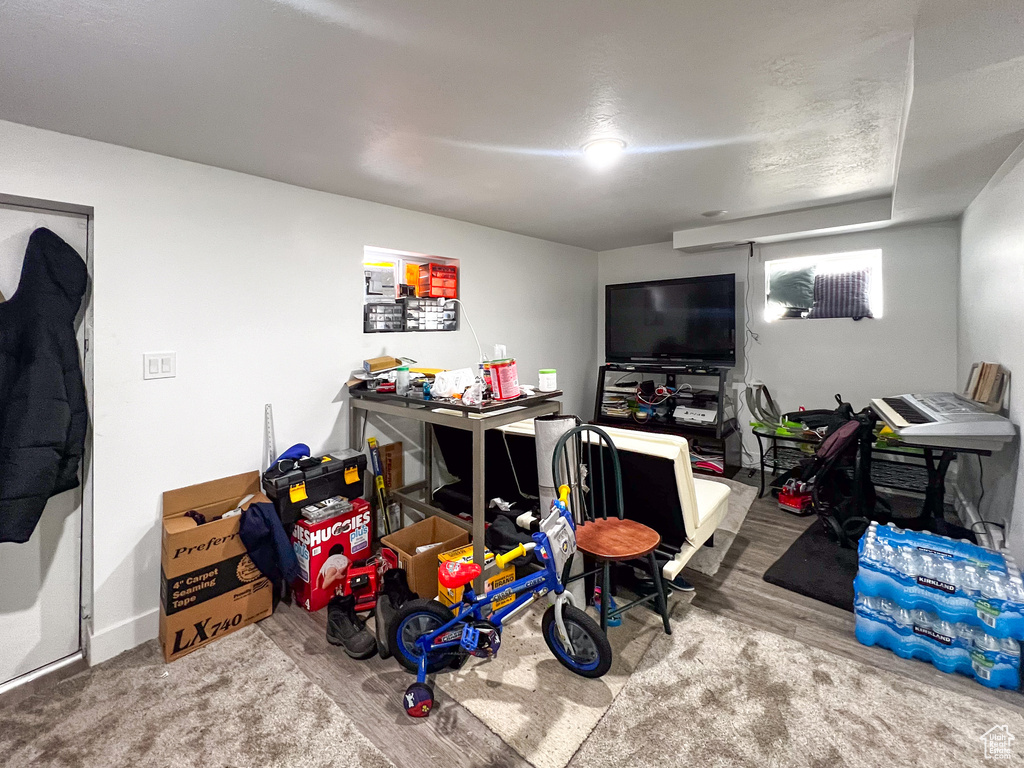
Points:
x=548 y=380
x=504 y=379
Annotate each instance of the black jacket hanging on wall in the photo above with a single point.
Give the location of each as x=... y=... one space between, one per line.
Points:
x=42 y=398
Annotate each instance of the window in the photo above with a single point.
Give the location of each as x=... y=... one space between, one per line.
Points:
x=834 y=285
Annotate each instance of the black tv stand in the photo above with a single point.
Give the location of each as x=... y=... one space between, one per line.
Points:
x=720 y=435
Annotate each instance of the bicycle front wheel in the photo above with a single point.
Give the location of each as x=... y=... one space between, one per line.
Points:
x=591 y=654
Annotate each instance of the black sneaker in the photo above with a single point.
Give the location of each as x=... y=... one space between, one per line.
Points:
x=643 y=584
x=393 y=595
x=346 y=629
x=681 y=585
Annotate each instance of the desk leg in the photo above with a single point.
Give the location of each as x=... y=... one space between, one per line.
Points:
x=935 y=493
x=428 y=463
x=760 y=450
x=479 y=501
x=353 y=428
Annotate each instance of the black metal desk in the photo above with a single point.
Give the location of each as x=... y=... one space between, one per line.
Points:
x=471 y=418
x=934 y=463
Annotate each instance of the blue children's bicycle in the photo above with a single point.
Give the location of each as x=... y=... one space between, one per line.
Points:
x=427 y=637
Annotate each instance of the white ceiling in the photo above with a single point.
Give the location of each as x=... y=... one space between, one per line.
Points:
x=477 y=109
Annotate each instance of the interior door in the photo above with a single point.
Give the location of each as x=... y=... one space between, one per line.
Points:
x=41 y=580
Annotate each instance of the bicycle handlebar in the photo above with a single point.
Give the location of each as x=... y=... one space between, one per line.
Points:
x=502 y=560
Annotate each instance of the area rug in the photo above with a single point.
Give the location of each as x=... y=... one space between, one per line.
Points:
x=817 y=567
x=237 y=702
x=708 y=560
x=537 y=706
x=721 y=693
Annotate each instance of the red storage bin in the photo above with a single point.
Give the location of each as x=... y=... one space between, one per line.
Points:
x=438 y=281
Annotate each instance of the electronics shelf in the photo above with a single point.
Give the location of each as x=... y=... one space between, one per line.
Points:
x=616 y=406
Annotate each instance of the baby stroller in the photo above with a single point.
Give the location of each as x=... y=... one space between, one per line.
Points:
x=839 y=476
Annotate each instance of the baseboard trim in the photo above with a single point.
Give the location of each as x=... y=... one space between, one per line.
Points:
x=123 y=636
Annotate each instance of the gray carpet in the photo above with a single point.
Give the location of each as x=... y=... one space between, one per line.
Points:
x=537 y=706
x=238 y=702
x=708 y=560
x=721 y=693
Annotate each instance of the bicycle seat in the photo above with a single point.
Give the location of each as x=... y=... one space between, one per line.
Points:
x=454 y=575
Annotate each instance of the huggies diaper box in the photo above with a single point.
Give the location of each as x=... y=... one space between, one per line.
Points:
x=326 y=549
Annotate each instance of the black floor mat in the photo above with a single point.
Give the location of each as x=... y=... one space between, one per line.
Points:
x=817 y=567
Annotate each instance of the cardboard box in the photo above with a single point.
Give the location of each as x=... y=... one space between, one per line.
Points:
x=209 y=587
x=348 y=534
x=495 y=581
x=393 y=459
x=421 y=568
x=375 y=364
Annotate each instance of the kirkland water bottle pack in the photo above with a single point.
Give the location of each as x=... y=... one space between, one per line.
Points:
x=951 y=647
x=956 y=580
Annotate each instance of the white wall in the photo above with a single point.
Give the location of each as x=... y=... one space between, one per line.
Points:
x=805 y=362
x=992 y=328
x=257 y=287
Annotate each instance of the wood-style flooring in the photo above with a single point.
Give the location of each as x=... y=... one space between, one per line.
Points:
x=370 y=691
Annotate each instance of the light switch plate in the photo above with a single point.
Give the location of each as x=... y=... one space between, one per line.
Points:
x=159 y=365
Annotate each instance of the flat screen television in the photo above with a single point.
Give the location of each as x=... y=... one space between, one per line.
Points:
x=691 y=320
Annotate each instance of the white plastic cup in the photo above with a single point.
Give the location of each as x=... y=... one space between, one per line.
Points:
x=402 y=385
x=548 y=381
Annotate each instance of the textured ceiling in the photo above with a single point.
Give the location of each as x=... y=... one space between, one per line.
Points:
x=477 y=110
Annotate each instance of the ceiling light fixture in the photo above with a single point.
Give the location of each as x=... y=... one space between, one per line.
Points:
x=602 y=153
x=713 y=214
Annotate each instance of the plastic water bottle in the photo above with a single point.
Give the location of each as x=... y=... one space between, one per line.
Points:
x=1015 y=590
x=986 y=642
x=903 y=617
x=949 y=573
x=875 y=603
x=993 y=586
x=871 y=549
x=946 y=628
x=929 y=567
x=966 y=633
x=907 y=562
x=921 y=618
x=887 y=554
x=970 y=580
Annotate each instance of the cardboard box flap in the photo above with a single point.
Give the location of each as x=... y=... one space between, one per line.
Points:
x=226 y=493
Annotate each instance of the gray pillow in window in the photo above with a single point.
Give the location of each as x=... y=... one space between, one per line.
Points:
x=792 y=288
x=841 y=294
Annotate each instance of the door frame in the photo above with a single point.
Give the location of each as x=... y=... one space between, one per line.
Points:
x=60 y=668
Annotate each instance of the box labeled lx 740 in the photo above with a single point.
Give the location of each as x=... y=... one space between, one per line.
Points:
x=209 y=586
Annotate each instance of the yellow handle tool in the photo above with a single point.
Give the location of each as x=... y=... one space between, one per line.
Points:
x=502 y=560
x=563 y=494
